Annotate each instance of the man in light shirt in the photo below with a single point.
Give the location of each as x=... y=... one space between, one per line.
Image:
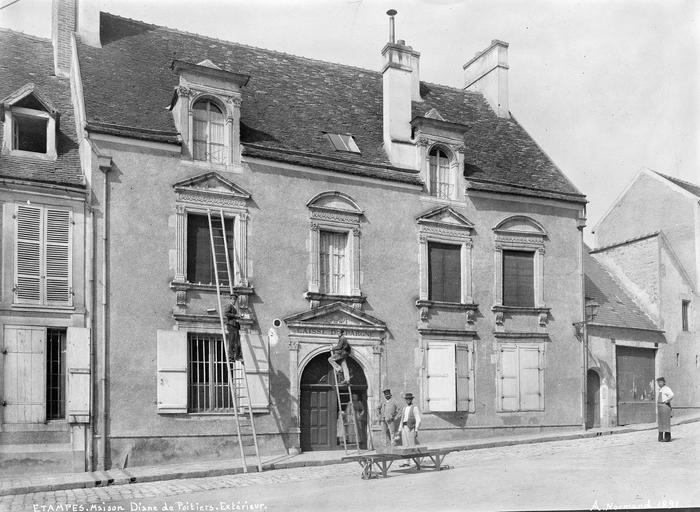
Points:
x=410 y=422
x=663 y=407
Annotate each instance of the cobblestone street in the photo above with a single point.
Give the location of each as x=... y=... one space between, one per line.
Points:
x=616 y=470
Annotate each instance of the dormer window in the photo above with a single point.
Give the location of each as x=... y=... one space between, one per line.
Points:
x=29 y=131
x=206 y=109
x=442 y=182
x=29 y=124
x=343 y=142
x=208 y=134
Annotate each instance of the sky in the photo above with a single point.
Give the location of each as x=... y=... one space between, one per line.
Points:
x=604 y=87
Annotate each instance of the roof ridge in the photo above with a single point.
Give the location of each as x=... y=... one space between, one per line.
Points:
x=24 y=34
x=219 y=40
x=626 y=241
x=673 y=178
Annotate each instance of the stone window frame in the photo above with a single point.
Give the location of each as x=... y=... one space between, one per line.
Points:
x=530 y=240
x=230 y=105
x=430 y=230
x=234 y=206
x=340 y=220
x=455 y=153
x=10 y=111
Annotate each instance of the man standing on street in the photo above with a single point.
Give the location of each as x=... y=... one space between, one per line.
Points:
x=387 y=412
x=663 y=407
x=410 y=422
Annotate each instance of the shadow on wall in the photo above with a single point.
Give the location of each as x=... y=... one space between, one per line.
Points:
x=279 y=380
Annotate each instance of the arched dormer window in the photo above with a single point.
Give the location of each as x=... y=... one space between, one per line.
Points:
x=209 y=128
x=442 y=176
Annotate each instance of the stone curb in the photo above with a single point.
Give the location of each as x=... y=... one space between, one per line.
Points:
x=130 y=476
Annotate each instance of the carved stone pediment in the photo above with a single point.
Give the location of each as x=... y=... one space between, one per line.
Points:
x=212 y=189
x=326 y=320
x=445 y=220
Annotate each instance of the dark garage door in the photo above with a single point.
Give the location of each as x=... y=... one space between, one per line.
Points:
x=635 y=385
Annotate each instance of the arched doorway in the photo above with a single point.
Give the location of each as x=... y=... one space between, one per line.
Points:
x=319 y=404
x=593 y=400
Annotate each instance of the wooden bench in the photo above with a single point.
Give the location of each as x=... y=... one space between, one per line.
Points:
x=383 y=460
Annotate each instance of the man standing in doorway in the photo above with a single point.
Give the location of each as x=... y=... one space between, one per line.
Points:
x=387 y=412
x=339 y=355
x=663 y=407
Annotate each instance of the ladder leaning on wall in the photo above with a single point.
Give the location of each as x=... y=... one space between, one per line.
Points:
x=237 y=379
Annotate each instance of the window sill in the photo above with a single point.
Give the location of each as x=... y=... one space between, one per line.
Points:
x=256 y=410
x=184 y=286
x=202 y=164
x=42 y=307
x=521 y=309
x=31 y=154
x=316 y=296
x=462 y=306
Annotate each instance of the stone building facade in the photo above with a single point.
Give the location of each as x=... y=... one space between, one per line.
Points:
x=422 y=219
x=658 y=261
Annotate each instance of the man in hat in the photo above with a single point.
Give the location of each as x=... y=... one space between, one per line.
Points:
x=339 y=356
x=410 y=422
x=387 y=412
x=663 y=407
x=234 y=334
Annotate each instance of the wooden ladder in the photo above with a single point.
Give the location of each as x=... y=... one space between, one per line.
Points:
x=347 y=394
x=237 y=378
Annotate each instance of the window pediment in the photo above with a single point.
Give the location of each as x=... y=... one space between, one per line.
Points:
x=211 y=189
x=28 y=96
x=328 y=319
x=520 y=225
x=445 y=219
x=335 y=202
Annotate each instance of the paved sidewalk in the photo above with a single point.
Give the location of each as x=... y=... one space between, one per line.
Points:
x=56 y=482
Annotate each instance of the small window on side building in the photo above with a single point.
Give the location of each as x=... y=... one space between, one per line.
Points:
x=685 y=306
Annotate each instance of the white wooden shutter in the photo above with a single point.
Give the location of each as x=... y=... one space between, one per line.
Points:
x=24 y=375
x=465 y=378
x=509 y=391
x=171 y=352
x=531 y=377
x=28 y=254
x=257 y=368
x=441 y=376
x=78 y=366
x=58 y=256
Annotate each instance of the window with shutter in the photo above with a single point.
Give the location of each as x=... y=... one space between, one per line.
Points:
x=444 y=267
x=441 y=376
x=521 y=376
x=208 y=136
x=43 y=255
x=518 y=278
x=441 y=175
x=464 y=369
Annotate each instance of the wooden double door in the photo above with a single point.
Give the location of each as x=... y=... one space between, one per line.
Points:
x=319 y=403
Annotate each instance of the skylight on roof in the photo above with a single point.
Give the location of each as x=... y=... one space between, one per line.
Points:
x=343 y=142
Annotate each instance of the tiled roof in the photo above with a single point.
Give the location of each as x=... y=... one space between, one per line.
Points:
x=686 y=185
x=616 y=306
x=26 y=59
x=291 y=101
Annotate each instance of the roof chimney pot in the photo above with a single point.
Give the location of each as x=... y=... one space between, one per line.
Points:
x=391 y=13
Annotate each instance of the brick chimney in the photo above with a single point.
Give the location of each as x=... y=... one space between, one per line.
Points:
x=67 y=17
x=400 y=81
x=487 y=73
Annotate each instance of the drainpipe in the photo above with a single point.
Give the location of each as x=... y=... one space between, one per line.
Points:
x=105 y=163
x=89 y=298
x=584 y=342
